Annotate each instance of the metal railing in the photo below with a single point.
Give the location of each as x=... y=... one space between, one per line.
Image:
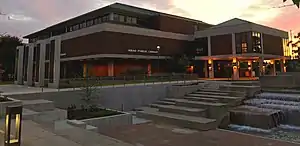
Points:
x=126 y=80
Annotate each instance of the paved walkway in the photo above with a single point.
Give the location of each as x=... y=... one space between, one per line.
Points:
x=34 y=134
x=149 y=134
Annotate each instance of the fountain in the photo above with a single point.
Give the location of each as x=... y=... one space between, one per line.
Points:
x=274 y=115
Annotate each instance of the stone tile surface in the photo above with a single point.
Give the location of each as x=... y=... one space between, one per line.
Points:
x=150 y=134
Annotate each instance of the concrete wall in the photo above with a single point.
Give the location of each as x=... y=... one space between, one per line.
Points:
x=296 y=76
x=280 y=81
x=105 y=123
x=3 y=105
x=118 y=98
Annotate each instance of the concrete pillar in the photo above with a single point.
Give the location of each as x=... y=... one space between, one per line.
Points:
x=206 y=69
x=30 y=65
x=233 y=44
x=273 y=68
x=235 y=74
x=250 y=68
x=149 y=69
x=56 y=69
x=210 y=69
x=111 y=69
x=209 y=46
x=42 y=64
x=261 y=66
x=282 y=66
x=111 y=16
x=20 y=65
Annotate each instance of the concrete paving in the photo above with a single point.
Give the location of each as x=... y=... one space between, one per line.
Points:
x=150 y=134
x=34 y=134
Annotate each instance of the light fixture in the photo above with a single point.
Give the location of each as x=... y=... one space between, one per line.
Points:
x=11 y=112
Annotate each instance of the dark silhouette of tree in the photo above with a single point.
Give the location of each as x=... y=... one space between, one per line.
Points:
x=295 y=2
x=8 y=46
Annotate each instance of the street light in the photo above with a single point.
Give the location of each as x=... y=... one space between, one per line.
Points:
x=158 y=48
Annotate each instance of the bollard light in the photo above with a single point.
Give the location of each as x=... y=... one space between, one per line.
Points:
x=13 y=112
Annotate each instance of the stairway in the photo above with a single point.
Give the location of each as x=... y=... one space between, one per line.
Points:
x=204 y=109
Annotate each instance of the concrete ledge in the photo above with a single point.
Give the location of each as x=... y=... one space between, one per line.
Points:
x=256 y=117
x=281 y=82
x=77 y=123
x=3 y=105
x=39 y=105
x=249 y=91
x=105 y=123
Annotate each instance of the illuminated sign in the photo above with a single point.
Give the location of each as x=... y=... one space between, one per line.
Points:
x=143 y=51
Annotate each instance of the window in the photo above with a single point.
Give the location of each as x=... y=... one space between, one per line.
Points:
x=96 y=21
x=256 y=42
x=116 y=17
x=105 y=18
x=128 y=19
x=122 y=18
x=70 y=28
x=83 y=24
x=244 y=47
x=90 y=23
x=241 y=40
x=134 y=20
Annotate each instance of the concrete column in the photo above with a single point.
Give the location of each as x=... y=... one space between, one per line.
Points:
x=235 y=64
x=205 y=69
x=30 y=65
x=209 y=46
x=261 y=66
x=111 y=69
x=149 y=68
x=56 y=69
x=233 y=44
x=20 y=65
x=111 y=16
x=282 y=66
x=273 y=68
x=250 y=68
x=210 y=69
x=42 y=64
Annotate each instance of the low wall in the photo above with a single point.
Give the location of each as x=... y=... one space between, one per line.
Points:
x=106 y=123
x=117 y=98
x=3 y=105
x=280 y=81
x=103 y=124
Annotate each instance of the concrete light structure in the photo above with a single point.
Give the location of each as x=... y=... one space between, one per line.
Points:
x=13 y=112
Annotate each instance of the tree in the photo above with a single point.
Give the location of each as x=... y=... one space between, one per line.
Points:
x=8 y=46
x=296 y=2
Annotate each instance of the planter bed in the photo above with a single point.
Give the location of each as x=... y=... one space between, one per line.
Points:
x=80 y=114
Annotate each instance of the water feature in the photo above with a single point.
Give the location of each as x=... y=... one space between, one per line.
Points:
x=287 y=126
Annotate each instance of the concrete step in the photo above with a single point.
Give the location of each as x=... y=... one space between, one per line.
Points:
x=194 y=104
x=181 y=110
x=39 y=105
x=221 y=98
x=165 y=102
x=192 y=98
x=214 y=110
x=192 y=122
x=233 y=93
x=211 y=93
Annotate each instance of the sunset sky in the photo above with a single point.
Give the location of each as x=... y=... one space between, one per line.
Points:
x=32 y=15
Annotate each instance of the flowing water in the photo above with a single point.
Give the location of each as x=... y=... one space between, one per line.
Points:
x=288 y=128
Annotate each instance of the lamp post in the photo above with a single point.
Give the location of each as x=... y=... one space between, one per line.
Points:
x=158 y=48
x=13 y=112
